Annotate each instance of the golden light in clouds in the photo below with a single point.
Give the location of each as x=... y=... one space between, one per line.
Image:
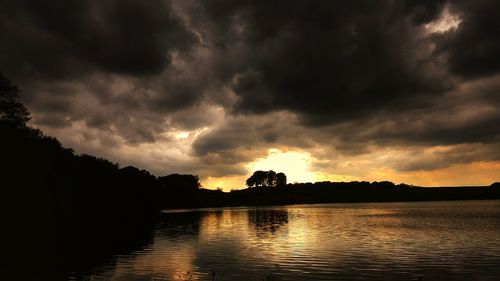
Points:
x=297 y=165
x=182 y=135
x=446 y=21
x=294 y=164
x=334 y=178
x=226 y=183
x=477 y=173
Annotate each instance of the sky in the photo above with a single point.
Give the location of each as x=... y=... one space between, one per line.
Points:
x=406 y=91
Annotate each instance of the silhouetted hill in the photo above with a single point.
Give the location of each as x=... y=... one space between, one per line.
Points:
x=63 y=209
x=332 y=192
x=350 y=192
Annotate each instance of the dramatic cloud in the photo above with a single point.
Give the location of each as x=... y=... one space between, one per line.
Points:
x=328 y=61
x=60 y=39
x=363 y=89
x=473 y=48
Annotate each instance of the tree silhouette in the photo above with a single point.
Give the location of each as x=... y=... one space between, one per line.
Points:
x=180 y=182
x=271 y=178
x=250 y=182
x=253 y=180
x=11 y=109
x=258 y=179
x=280 y=179
x=266 y=178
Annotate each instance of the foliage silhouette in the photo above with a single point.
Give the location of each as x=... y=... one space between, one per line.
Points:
x=266 y=178
x=280 y=179
x=84 y=209
x=181 y=182
x=11 y=109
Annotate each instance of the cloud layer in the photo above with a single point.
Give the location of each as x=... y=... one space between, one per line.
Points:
x=210 y=86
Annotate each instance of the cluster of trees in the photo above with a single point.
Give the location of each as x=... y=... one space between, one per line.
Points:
x=266 y=178
x=81 y=206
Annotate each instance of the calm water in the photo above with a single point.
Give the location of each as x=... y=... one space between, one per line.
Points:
x=376 y=241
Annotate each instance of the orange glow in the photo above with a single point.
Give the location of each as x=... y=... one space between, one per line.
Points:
x=295 y=164
x=478 y=173
x=226 y=183
x=334 y=178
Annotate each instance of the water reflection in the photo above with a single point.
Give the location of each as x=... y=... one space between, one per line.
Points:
x=389 y=241
x=267 y=220
x=78 y=256
x=177 y=225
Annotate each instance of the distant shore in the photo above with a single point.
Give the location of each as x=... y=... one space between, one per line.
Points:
x=330 y=192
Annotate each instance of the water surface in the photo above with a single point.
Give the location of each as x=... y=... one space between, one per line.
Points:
x=373 y=241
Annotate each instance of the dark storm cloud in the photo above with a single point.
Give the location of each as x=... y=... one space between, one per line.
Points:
x=468 y=114
x=124 y=66
x=238 y=133
x=366 y=72
x=459 y=154
x=474 y=49
x=59 y=39
x=327 y=60
x=348 y=76
x=424 y=11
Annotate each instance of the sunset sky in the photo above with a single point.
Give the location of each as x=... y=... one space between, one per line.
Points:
x=406 y=91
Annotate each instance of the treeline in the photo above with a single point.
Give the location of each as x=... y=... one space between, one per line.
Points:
x=62 y=210
x=65 y=212
x=353 y=192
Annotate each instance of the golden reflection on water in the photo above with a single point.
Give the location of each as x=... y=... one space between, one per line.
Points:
x=158 y=263
x=320 y=241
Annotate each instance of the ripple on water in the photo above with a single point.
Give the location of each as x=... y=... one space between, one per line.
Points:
x=376 y=241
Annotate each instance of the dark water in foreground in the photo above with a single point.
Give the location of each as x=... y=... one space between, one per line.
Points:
x=375 y=241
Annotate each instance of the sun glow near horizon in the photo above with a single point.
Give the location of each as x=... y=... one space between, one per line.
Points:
x=295 y=164
x=299 y=167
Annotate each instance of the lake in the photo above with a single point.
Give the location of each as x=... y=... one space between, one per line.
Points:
x=364 y=241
